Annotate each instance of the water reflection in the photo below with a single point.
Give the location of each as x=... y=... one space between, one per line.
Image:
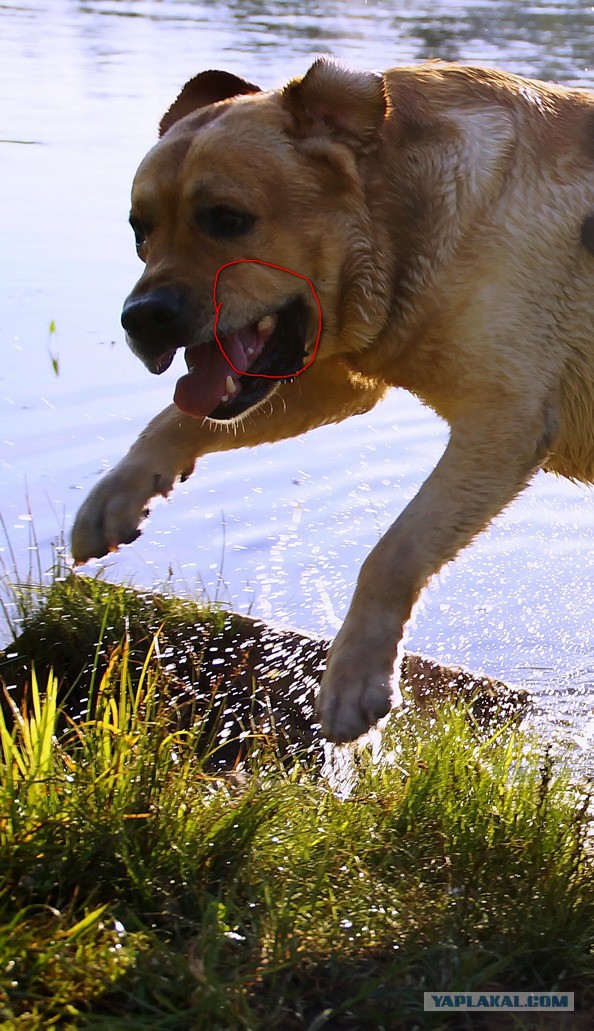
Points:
x=550 y=39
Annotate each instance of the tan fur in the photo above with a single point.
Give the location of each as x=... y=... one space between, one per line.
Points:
x=438 y=210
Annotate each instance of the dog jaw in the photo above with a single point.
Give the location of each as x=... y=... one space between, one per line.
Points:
x=234 y=372
x=215 y=368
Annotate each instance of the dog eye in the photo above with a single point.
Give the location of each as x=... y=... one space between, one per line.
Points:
x=140 y=232
x=224 y=223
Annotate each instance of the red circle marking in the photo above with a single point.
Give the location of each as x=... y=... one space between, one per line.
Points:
x=219 y=304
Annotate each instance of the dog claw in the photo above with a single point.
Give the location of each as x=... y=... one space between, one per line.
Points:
x=114 y=511
x=127 y=539
x=350 y=711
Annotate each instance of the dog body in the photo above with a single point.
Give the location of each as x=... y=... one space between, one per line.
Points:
x=445 y=216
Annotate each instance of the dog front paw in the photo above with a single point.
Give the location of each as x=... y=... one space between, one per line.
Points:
x=355 y=693
x=115 y=510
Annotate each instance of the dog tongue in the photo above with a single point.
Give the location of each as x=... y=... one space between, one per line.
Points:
x=201 y=390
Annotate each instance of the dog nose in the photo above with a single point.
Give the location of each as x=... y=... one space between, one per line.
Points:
x=150 y=316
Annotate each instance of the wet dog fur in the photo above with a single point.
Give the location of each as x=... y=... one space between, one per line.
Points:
x=445 y=215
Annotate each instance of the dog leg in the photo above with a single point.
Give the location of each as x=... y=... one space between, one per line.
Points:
x=169 y=446
x=489 y=459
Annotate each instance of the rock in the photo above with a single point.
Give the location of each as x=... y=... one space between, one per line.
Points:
x=237 y=675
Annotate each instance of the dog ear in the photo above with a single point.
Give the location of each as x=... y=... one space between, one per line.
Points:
x=204 y=89
x=334 y=101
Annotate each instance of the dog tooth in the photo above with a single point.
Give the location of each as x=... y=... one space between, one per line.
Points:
x=266 y=323
x=224 y=399
x=230 y=386
x=249 y=352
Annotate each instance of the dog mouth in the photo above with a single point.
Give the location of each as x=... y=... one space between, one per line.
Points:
x=228 y=376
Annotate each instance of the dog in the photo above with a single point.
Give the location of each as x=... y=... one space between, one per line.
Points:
x=443 y=218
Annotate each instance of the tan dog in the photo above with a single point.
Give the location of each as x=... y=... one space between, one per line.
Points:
x=445 y=216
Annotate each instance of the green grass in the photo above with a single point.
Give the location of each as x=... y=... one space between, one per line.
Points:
x=140 y=889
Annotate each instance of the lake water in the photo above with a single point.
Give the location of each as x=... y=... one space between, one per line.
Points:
x=280 y=531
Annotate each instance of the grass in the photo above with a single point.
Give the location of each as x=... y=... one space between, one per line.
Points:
x=140 y=887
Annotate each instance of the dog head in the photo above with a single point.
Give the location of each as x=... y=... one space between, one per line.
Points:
x=251 y=217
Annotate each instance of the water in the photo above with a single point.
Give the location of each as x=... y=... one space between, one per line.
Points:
x=280 y=531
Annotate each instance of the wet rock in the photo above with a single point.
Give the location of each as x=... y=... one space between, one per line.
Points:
x=237 y=675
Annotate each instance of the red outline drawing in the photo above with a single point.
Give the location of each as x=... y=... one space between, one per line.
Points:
x=218 y=305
